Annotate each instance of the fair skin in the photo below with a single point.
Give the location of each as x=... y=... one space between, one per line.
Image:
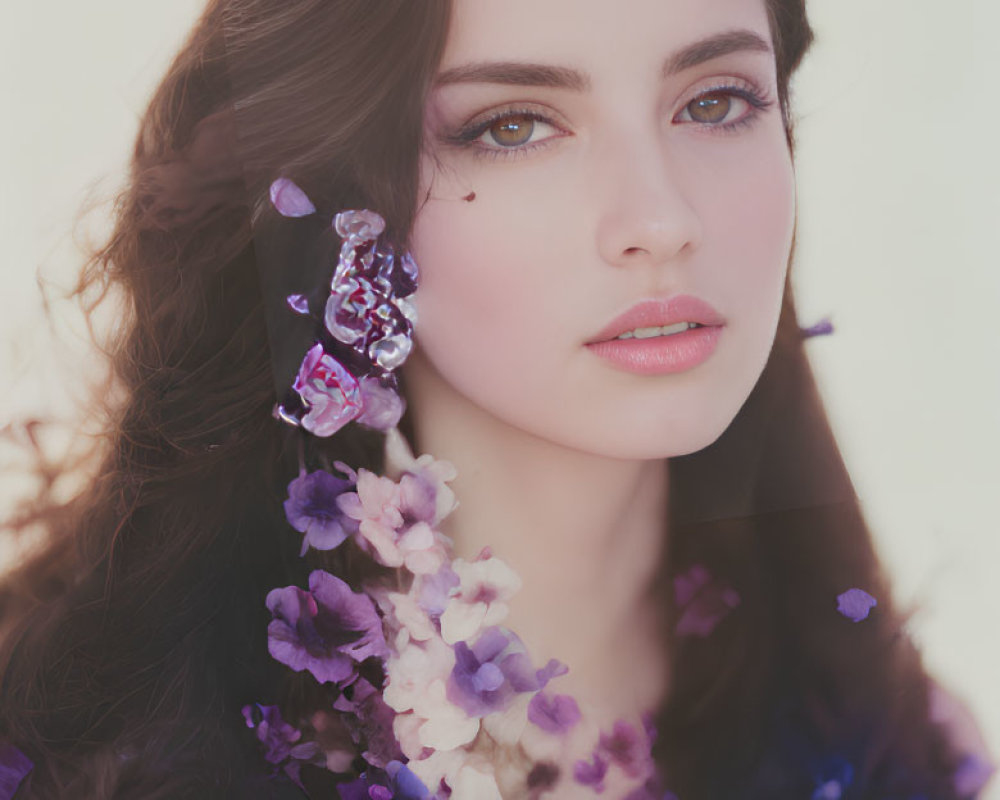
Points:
x=608 y=187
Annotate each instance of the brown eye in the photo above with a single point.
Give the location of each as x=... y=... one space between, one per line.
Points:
x=512 y=131
x=710 y=108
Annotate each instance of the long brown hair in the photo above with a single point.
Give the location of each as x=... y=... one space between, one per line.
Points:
x=138 y=634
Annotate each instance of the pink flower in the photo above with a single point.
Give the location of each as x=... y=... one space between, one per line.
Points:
x=383 y=407
x=423 y=552
x=375 y=505
x=423 y=480
x=330 y=393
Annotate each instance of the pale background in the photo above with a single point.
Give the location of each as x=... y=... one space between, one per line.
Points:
x=899 y=210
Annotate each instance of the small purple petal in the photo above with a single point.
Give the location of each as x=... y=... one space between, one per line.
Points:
x=591 y=773
x=703 y=601
x=521 y=672
x=687 y=584
x=972 y=775
x=407 y=785
x=822 y=328
x=553 y=713
x=277 y=736
x=625 y=747
x=299 y=303
x=436 y=589
x=855 y=604
x=14 y=767
x=491 y=643
x=488 y=678
x=290 y=200
x=553 y=669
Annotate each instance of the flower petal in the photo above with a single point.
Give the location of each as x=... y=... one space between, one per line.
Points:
x=855 y=604
x=290 y=200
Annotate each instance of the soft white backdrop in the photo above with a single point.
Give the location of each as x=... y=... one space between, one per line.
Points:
x=899 y=209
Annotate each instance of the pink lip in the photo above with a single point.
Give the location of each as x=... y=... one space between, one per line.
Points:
x=661 y=355
x=657 y=313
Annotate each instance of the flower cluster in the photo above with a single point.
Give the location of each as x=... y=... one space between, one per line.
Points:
x=431 y=695
x=365 y=330
x=428 y=683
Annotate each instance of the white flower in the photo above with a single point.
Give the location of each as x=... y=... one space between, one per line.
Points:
x=446 y=726
x=413 y=669
x=432 y=475
x=480 y=601
x=470 y=776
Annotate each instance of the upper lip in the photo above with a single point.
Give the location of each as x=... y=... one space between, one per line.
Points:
x=655 y=313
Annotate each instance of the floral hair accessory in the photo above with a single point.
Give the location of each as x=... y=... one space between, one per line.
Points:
x=364 y=329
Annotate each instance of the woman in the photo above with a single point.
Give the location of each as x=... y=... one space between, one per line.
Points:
x=676 y=509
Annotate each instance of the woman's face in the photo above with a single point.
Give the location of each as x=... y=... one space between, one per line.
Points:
x=584 y=157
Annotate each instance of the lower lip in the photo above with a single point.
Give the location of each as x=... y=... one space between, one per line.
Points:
x=660 y=355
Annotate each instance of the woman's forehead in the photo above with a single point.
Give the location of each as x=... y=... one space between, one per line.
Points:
x=591 y=35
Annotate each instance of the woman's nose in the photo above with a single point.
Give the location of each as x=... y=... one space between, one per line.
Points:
x=646 y=216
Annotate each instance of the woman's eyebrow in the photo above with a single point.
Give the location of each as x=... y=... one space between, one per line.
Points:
x=519 y=73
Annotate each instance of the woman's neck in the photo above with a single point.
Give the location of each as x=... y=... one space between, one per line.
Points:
x=584 y=532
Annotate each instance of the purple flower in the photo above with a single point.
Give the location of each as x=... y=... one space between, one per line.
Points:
x=290 y=200
x=14 y=767
x=855 y=604
x=330 y=393
x=703 y=600
x=311 y=508
x=277 y=736
x=972 y=775
x=626 y=747
x=591 y=773
x=325 y=630
x=395 y=782
x=833 y=779
x=369 y=721
x=553 y=713
x=487 y=675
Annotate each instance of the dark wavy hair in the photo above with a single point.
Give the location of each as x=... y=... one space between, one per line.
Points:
x=137 y=634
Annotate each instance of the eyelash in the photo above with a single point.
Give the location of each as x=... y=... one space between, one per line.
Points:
x=467 y=137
